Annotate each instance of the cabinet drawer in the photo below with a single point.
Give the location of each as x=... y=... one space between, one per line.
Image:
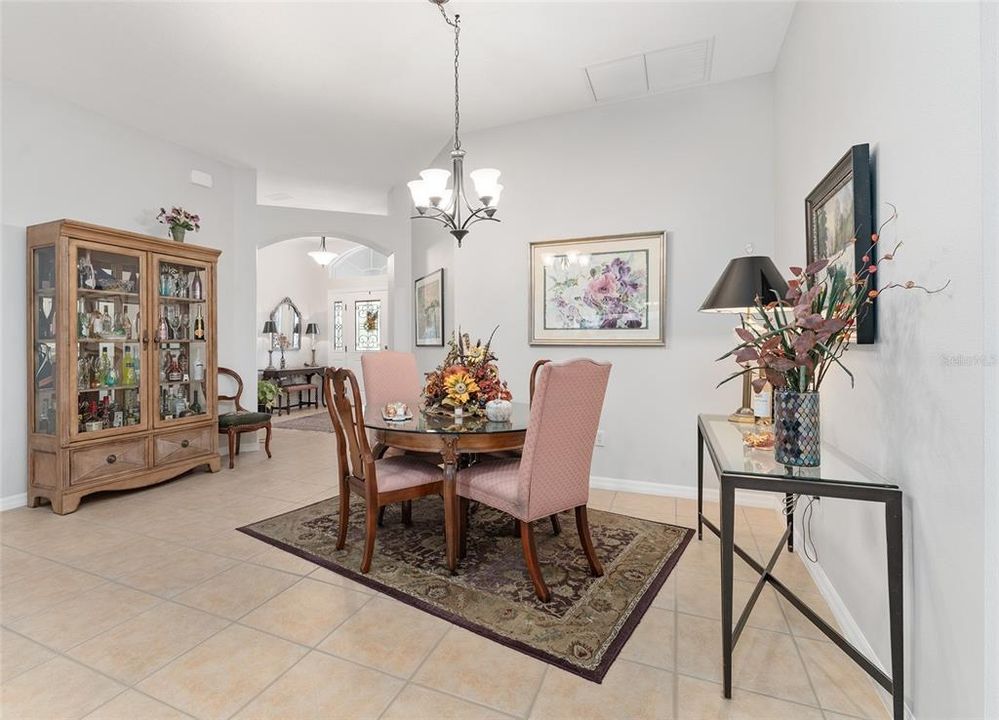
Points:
x=181 y=444
x=106 y=460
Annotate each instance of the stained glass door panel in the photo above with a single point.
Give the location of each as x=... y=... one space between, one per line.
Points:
x=367 y=325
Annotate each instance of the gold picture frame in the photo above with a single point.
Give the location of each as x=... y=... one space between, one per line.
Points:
x=605 y=290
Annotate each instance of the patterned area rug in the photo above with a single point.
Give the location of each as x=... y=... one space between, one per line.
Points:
x=317 y=422
x=581 y=630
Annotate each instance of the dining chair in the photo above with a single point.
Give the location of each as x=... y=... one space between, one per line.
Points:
x=553 y=474
x=401 y=478
x=240 y=420
x=390 y=376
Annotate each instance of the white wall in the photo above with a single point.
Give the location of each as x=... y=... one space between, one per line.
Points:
x=60 y=161
x=697 y=164
x=905 y=77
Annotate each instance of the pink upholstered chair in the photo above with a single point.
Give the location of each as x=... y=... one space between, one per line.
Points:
x=553 y=473
x=390 y=377
x=401 y=478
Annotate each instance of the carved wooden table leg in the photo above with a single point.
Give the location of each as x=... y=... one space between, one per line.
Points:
x=449 y=452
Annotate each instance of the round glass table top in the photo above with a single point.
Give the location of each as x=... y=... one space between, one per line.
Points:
x=448 y=424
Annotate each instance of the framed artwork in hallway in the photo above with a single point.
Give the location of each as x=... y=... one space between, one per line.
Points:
x=429 y=309
x=838 y=210
x=608 y=290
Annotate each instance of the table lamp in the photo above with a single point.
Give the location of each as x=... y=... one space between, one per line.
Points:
x=270 y=329
x=312 y=332
x=744 y=280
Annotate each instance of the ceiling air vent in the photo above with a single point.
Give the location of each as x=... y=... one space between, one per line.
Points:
x=652 y=72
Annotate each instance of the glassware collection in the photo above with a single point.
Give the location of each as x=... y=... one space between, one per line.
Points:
x=180 y=336
x=44 y=284
x=110 y=341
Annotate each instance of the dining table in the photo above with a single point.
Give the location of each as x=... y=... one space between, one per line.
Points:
x=452 y=437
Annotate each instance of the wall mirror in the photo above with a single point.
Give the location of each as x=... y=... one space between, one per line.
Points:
x=288 y=320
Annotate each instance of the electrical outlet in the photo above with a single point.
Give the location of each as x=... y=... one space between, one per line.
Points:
x=600 y=439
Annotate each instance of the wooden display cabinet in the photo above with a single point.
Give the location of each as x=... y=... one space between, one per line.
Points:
x=122 y=361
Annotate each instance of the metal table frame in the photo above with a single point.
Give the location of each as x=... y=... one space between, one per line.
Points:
x=889 y=495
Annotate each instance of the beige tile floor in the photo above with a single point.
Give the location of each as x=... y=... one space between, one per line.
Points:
x=148 y=604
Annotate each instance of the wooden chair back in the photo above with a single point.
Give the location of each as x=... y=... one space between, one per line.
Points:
x=343 y=401
x=234 y=399
x=534 y=377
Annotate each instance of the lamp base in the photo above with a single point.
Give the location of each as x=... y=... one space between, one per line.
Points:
x=742 y=415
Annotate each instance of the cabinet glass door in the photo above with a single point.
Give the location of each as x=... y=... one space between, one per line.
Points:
x=182 y=332
x=43 y=332
x=107 y=316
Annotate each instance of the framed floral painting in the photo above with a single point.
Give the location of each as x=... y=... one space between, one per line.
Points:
x=429 y=309
x=599 y=291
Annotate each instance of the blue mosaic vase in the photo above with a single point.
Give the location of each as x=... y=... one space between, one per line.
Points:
x=796 y=428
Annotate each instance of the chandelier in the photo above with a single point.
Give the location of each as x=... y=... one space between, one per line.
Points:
x=433 y=199
x=322 y=256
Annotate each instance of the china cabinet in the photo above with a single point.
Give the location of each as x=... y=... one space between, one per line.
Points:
x=122 y=361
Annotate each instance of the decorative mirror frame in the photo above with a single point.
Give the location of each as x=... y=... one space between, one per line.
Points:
x=296 y=338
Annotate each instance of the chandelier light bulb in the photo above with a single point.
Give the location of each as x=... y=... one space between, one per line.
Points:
x=486 y=181
x=421 y=196
x=436 y=181
x=322 y=256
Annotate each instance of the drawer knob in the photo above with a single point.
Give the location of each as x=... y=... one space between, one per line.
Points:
x=185 y=443
x=111 y=459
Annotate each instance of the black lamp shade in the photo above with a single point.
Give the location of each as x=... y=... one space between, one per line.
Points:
x=312 y=329
x=744 y=280
x=270 y=328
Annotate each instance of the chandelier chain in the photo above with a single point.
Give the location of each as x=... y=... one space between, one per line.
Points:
x=456 y=24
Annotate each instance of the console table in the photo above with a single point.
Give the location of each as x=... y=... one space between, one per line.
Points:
x=740 y=467
x=282 y=376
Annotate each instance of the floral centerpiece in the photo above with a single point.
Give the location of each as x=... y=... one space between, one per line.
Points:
x=179 y=221
x=466 y=380
x=795 y=340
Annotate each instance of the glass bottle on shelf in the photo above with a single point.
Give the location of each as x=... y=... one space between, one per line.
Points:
x=135 y=326
x=182 y=363
x=87 y=279
x=174 y=373
x=82 y=320
x=163 y=330
x=128 y=368
x=103 y=367
x=199 y=326
x=166 y=287
x=96 y=324
x=126 y=324
x=195 y=405
x=82 y=372
x=107 y=324
x=197 y=290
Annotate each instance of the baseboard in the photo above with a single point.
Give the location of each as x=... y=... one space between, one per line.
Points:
x=689 y=492
x=848 y=625
x=10 y=502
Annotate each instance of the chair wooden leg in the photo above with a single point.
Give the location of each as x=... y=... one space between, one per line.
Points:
x=267 y=440
x=341 y=536
x=556 y=525
x=381 y=515
x=583 y=526
x=531 y=559
x=407 y=513
x=232 y=449
x=371 y=527
x=239 y=442
x=462 y=526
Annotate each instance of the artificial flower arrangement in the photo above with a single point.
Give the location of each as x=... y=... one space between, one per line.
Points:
x=467 y=379
x=797 y=339
x=178 y=217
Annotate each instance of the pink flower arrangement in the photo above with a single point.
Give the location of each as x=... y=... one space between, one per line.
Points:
x=179 y=217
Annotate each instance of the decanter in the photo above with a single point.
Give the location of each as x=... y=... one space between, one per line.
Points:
x=197 y=290
x=104 y=368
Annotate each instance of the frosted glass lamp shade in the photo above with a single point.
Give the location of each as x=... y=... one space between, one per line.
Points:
x=435 y=180
x=421 y=195
x=486 y=182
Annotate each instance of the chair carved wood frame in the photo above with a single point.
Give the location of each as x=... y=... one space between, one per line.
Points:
x=233 y=431
x=356 y=466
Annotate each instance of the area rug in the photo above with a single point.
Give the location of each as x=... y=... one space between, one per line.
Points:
x=316 y=422
x=581 y=630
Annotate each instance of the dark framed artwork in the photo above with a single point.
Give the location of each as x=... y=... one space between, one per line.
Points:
x=608 y=290
x=838 y=210
x=429 y=310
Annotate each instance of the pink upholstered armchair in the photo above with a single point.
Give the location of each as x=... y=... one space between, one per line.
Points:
x=402 y=478
x=553 y=474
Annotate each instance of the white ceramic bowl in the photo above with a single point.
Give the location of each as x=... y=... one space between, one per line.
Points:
x=499 y=410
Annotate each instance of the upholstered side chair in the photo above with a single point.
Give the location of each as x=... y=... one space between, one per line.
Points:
x=553 y=474
x=240 y=420
x=401 y=478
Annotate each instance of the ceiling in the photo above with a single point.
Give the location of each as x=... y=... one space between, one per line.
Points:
x=354 y=96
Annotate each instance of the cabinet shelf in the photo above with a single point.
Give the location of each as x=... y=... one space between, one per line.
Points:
x=180 y=342
x=166 y=299
x=106 y=388
x=107 y=341
x=106 y=294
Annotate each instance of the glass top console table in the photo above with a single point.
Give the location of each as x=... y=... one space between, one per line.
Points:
x=741 y=467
